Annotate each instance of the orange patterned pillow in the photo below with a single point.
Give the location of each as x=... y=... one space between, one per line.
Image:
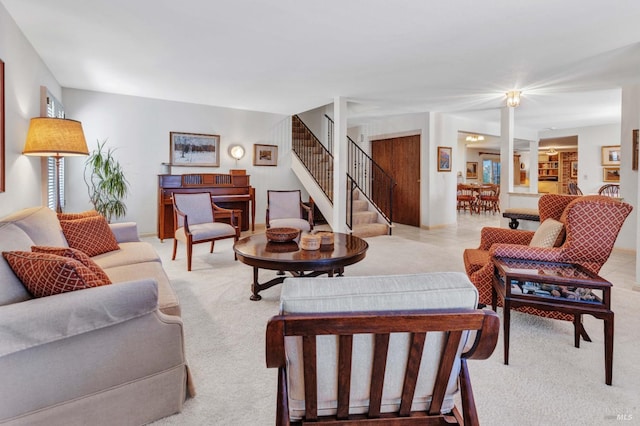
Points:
x=91 y=235
x=46 y=274
x=75 y=216
x=77 y=255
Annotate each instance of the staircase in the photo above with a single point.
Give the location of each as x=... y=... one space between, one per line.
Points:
x=363 y=219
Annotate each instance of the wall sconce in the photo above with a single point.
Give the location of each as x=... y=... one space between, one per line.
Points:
x=513 y=98
x=236 y=152
x=57 y=138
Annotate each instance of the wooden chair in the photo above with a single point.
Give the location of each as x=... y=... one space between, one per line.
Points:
x=573 y=189
x=286 y=209
x=194 y=221
x=387 y=367
x=466 y=198
x=610 y=190
x=489 y=198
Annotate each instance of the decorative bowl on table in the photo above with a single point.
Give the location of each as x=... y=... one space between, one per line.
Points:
x=282 y=235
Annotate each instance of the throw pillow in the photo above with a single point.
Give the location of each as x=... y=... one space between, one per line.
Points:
x=548 y=234
x=75 y=216
x=91 y=235
x=45 y=274
x=77 y=255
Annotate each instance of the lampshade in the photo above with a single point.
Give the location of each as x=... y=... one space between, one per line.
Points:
x=55 y=137
x=513 y=98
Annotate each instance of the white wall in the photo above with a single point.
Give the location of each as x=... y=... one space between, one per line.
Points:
x=139 y=129
x=24 y=74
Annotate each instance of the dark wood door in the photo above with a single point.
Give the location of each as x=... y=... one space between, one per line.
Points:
x=400 y=158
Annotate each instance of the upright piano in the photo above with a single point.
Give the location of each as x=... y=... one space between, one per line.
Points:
x=230 y=191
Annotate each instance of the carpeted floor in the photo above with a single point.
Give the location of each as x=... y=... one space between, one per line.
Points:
x=549 y=382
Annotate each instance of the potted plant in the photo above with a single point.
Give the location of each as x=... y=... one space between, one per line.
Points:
x=106 y=182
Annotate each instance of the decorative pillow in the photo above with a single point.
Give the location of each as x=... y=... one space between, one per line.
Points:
x=91 y=235
x=45 y=274
x=548 y=234
x=77 y=255
x=75 y=216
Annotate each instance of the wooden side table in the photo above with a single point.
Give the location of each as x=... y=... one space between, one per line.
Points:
x=561 y=287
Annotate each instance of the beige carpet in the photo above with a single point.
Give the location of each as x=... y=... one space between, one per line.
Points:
x=549 y=382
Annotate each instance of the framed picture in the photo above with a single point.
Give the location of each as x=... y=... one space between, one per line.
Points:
x=2 y=189
x=194 y=149
x=574 y=169
x=611 y=155
x=611 y=174
x=444 y=159
x=265 y=155
x=634 y=157
x=472 y=170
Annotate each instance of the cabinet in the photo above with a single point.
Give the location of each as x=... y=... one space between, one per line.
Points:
x=548 y=167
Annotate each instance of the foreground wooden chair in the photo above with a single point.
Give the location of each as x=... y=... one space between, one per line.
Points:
x=371 y=366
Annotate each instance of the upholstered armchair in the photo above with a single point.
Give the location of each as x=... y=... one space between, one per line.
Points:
x=591 y=226
x=195 y=222
x=286 y=209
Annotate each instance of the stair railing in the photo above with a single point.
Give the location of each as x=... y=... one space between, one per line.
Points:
x=313 y=155
x=371 y=180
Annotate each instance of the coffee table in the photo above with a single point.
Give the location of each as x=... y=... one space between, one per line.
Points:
x=257 y=252
x=553 y=286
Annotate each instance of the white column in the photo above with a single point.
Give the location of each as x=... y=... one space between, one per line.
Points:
x=506 y=155
x=533 y=166
x=339 y=164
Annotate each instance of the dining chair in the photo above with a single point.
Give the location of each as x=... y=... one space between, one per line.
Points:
x=610 y=190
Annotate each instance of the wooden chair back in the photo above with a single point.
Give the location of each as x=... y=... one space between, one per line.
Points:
x=610 y=190
x=451 y=324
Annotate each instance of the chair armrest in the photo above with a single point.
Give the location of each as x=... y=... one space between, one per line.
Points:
x=230 y=213
x=44 y=320
x=309 y=210
x=486 y=338
x=183 y=217
x=125 y=232
x=490 y=236
x=553 y=254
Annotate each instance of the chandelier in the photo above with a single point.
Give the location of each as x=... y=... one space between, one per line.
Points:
x=474 y=138
x=513 y=98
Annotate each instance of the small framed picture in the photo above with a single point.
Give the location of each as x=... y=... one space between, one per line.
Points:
x=574 y=169
x=472 y=170
x=265 y=155
x=611 y=155
x=194 y=149
x=444 y=158
x=611 y=174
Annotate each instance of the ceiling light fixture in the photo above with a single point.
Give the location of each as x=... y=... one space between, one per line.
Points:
x=474 y=138
x=513 y=98
x=552 y=151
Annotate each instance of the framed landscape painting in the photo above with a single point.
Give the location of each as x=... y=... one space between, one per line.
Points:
x=611 y=155
x=472 y=170
x=265 y=155
x=611 y=174
x=444 y=158
x=194 y=149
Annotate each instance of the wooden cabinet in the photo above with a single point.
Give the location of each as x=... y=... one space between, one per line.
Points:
x=548 y=168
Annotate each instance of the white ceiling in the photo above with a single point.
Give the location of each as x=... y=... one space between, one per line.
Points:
x=569 y=57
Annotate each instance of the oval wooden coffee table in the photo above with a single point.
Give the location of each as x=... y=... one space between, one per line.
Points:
x=256 y=251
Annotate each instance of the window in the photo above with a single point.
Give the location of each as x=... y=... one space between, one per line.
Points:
x=51 y=107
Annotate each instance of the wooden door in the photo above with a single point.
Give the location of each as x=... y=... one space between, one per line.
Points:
x=400 y=158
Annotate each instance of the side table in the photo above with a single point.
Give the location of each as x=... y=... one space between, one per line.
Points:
x=561 y=287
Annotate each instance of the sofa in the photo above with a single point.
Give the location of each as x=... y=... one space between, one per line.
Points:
x=106 y=355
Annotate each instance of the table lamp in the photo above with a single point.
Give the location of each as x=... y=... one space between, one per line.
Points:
x=55 y=137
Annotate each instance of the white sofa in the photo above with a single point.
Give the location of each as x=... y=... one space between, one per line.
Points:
x=101 y=356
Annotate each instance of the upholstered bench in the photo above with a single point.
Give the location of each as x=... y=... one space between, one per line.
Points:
x=520 y=214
